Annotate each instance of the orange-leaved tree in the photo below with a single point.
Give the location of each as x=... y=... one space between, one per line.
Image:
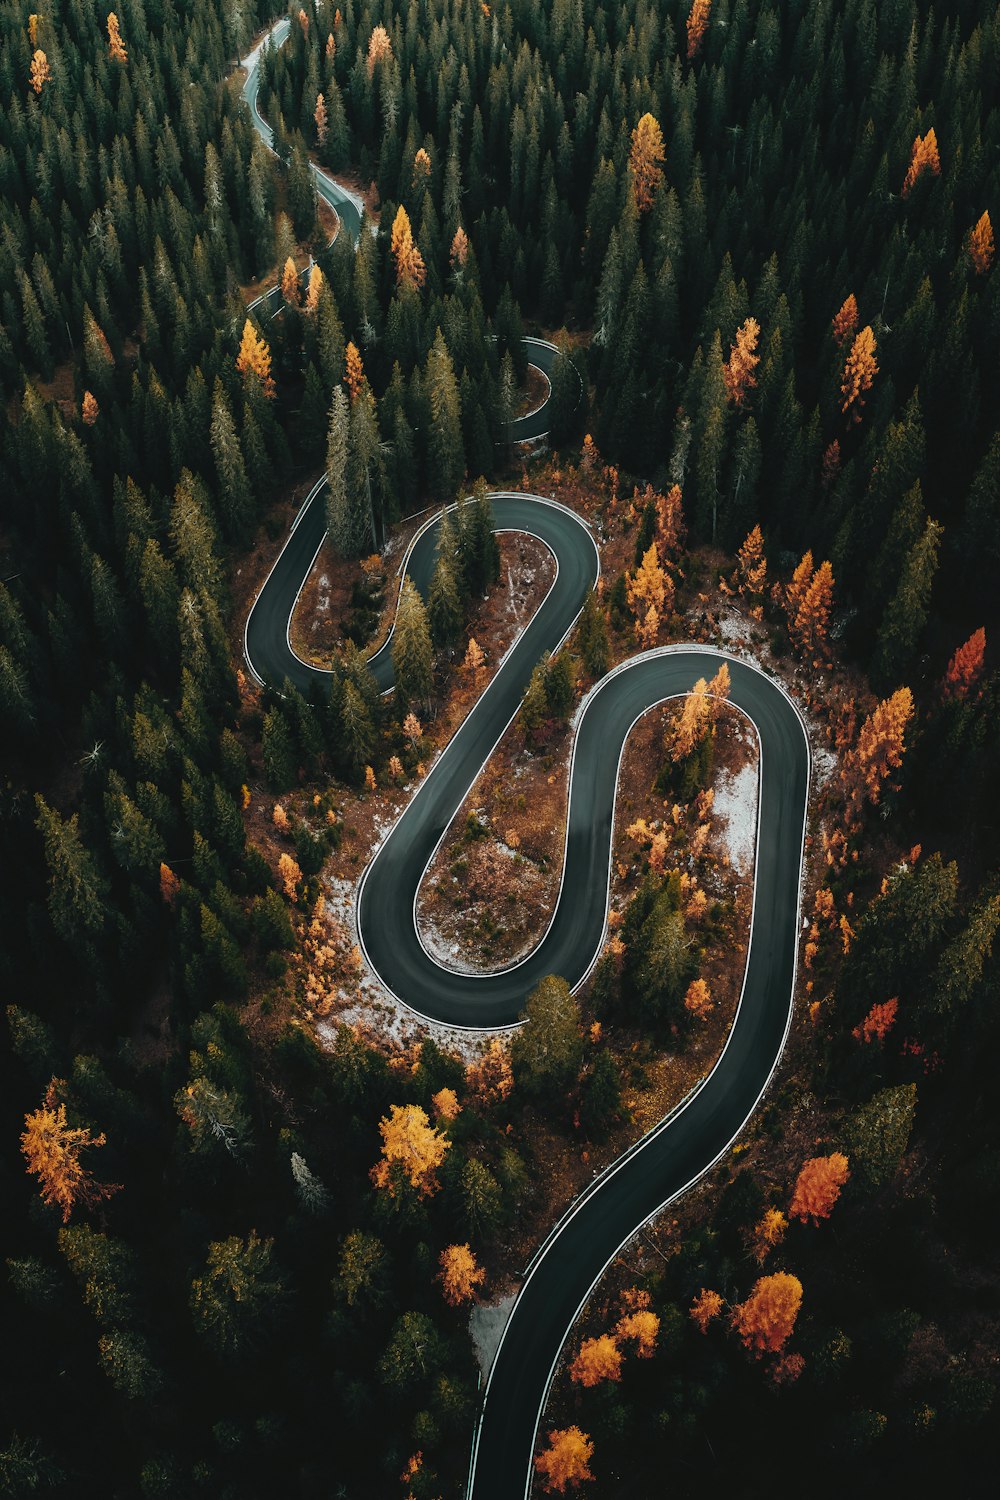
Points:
x=446 y=1105
x=698 y=1000
x=642 y=1327
x=879 y=751
x=598 y=1359
x=410 y=269
x=768 y=1232
x=810 y=627
x=291 y=288
x=765 y=1320
x=412 y=1151
x=981 y=246
x=697 y=25
x=169 y=885
x=459 y=252
x=818 y=1186
x=459 y=1275
x=650 y=594
x=254 y=359
x=89 y=409
x=923 y=158
x=646 y=158
x=966 y=666
x=52 y=1149
x=705 y=1307
x=859 y=373
x=491 y=1078
x=39 y=74
x=878 y=1022
x=321 y=120
x=845 y=321
x=354 y=371
x=566 y=1460
x=316 y=281
x=116 y=47
x=379 y=47
x=751 y=571
x=738 y=372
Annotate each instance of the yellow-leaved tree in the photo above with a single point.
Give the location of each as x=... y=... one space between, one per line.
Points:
x=412 y=1151
x=566 y=1461
x=52 y=1149
x=645 y=161
x=765 y=1320
x=460 y=1274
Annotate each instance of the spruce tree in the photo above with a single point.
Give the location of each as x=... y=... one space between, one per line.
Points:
x=412 y=653
x=446 y=455
x=338 y=519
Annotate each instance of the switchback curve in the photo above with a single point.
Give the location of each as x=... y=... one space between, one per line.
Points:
x=689 y=1141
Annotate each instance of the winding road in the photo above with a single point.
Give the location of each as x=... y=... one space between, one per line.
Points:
x=689 y=1141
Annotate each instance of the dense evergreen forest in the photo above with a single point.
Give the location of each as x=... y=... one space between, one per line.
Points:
x=243 y=1309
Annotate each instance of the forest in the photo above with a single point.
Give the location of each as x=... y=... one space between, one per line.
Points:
x=239 y=1256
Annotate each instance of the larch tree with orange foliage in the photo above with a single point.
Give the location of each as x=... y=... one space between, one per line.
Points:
x=566 y=1460
x=291 y=287
x=52 y=1149
x=878 y=1022
x=316 y=283
x=89 y=409
x=410 y=269
x=321 y=120
x=738 y=371
x=354 y=371
x=845 y=322
x=491 y=1078
x=459 y=1275
x=879 y=751
x=705 y=1308
x=923 y=158
x=459 y=252
x=39 y=74
x=379 y=48
x=818 y=1186
x=598 y=1359
x=641 y=1327
x=810 y=628
x=169 y=885
x=981 y=246
x=650 y=594
x=751 y=572
x=645 y=161
x=768 y=1232
x=116 y=47
x=446 y=1105
x=766 y=1319
x=859 y=373
x=412 y=1151
x=966 y=666
x=254 y=359
x=698 y=1000
x=697 y=25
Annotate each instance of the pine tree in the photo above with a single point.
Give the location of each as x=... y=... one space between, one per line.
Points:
x=906 y=613
x=338 y=519
x=547 y=1051
x=412 y=653
x=357 y=730
x=445 y=451
x=240 y=1295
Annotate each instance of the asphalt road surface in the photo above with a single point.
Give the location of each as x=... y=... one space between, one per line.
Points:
x=676 y=1152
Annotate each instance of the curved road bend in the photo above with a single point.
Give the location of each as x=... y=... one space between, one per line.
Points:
x=686 y=1144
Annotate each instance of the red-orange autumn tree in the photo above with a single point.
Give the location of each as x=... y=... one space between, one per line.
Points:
x=410 y=269
x=697 y=25
x=641 y=1327
x=859 y=373
x=254 y=359
x=818 y=1186
x=52 y=1149
x=565 y=1462
x=810 y=626
x=765 y=1320
x=411 y=1150
x=768 y=1232
x=89 y=409
x=459 y=1275
x=646 y=158
x=845 y=322
x=981 y=246
x=923 y=158
x=39 y=74
x=598 y=1359
x=738 y=371
x=966 y=666
x=751 y=571
x=878 y=1022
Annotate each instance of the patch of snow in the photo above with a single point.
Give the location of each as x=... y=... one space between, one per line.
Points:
x=486 y=1325
x=824 y=763
x=735 y=810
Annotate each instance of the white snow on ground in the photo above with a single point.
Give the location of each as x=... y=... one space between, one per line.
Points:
x=486 y=1325
x=824 y=763
x=735 y=811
